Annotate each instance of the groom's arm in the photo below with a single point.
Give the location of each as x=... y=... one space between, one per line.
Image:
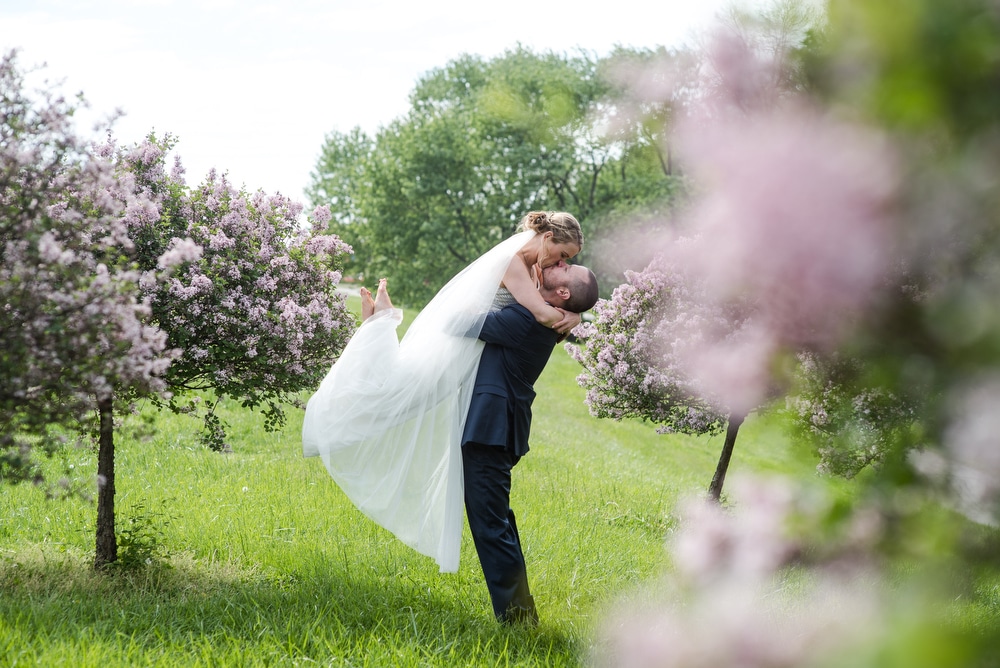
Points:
x=508 y=326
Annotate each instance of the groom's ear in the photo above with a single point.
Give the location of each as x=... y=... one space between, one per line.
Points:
x=563 y=292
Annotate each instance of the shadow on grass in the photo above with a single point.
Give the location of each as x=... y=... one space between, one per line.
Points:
x=221 y=613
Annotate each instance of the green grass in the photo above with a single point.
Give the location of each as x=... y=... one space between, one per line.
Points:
x=257 y=558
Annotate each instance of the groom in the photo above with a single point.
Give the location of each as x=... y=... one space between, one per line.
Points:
x=496 y=432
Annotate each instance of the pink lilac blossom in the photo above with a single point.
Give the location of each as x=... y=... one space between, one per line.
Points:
x=178 y=252
x=851 y=428
x=971 y=458
x=750 y=626
x=796 y=215
x=74 y=326
x=795 y=220
x=634 y=353
x=751 y=541
x=251 y=284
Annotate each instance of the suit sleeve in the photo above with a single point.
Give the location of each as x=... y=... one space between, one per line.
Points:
x=508 y=326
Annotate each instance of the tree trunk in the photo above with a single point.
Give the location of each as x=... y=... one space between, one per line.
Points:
x=107 y=546
x=715 y=489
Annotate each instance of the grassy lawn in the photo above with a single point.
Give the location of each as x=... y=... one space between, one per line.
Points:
x=257 y=558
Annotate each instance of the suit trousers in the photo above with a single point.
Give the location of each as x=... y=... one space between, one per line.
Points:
x=494 y=530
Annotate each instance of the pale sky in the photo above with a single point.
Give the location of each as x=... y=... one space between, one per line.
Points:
x=252 y=87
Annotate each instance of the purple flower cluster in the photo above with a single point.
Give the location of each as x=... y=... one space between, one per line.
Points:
x=634 y=353
x=246 y=292
x=851 y=427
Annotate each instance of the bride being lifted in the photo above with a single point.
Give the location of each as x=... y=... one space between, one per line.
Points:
x=387 y=420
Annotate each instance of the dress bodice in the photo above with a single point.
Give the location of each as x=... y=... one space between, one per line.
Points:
x=502 y=298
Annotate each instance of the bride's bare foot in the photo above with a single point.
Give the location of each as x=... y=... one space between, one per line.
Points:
x=367 y=304
x=382 y=297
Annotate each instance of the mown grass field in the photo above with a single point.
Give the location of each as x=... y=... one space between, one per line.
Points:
x=257 y=559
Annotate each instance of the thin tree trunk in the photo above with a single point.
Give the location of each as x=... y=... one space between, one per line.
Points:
x=715 y=489
x=107 y=546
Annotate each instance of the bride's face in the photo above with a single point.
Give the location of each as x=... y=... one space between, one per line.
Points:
x=553 y=253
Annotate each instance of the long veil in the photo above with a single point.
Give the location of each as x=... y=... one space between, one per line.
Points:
x=388 y=418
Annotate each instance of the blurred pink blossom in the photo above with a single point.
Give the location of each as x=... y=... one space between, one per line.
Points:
x=748 y=542
x=796 y=221
x=971 y=457
x=727 y=604
x=796 y=216
x=745 y=625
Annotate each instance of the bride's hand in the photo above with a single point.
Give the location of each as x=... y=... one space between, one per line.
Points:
x=568 y=322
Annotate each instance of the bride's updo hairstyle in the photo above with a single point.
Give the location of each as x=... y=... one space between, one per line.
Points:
x=564 y=227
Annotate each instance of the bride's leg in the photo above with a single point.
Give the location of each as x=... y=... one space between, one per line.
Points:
x=367 y=304
x=382 y=297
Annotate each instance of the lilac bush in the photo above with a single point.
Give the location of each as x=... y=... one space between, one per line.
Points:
x=860 y=220
x=248 y=301
x=74 y=326
x=119 y=281
x=641 y=356
x=633 y=353
x=786 y=247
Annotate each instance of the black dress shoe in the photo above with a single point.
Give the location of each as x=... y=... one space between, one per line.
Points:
x=518 y=616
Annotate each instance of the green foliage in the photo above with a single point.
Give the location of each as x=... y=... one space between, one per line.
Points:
x=850 y=428
x=934 y=63
x=485 y=142
x=140 y=539
x=214 y=433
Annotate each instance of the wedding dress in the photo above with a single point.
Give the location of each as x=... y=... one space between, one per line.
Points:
x=388 y=418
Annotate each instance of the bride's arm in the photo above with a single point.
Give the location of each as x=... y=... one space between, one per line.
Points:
x=520 y=285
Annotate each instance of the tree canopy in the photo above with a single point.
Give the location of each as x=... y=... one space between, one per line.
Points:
x=484 y=142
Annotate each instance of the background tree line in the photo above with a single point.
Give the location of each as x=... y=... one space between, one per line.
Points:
x=484 y=142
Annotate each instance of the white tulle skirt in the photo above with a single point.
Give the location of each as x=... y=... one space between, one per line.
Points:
x=388 y=418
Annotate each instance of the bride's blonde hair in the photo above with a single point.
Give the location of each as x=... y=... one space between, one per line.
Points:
x=564 y=227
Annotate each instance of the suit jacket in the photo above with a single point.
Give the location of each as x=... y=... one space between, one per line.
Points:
x=517 y=349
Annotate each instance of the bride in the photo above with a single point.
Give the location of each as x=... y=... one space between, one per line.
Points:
x=387 y=420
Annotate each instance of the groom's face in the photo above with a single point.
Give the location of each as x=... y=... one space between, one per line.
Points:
x=556 y=281
x=557 y=275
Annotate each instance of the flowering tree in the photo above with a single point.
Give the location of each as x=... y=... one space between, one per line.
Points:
x=634 y=358
x=251 y=308
x=73 y=325
x=721 y=309
x=111 y=270
x=242 y=294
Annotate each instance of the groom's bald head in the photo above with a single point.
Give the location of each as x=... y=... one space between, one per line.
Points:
x=569 y=286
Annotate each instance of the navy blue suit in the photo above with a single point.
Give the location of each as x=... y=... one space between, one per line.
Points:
x=495 y=438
